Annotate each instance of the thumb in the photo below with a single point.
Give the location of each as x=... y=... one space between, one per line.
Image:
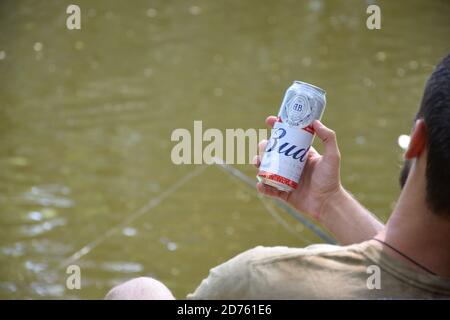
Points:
x=270 y=121
x=328 y=138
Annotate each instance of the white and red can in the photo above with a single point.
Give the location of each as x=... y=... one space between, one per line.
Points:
x=292 y=135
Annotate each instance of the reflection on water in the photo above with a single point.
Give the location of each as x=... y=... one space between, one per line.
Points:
x=86 y=118
x=49 y=195
x=124 y=267
x=38 y=229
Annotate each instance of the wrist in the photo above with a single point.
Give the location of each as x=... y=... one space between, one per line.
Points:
x=331 y=204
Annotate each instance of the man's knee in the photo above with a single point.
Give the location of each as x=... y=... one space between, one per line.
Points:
x=141 y=288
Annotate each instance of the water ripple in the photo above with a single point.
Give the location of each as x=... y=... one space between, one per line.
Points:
x=41 y=228
x=50 y=195
x=125 y=267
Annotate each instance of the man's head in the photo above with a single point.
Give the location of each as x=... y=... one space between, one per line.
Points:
x=431 y=134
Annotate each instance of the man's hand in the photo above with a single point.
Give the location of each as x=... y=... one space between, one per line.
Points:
x=320 y=178
x=320 y=193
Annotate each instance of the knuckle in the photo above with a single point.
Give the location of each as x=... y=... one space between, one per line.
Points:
x=332 y=134
x=335 y=156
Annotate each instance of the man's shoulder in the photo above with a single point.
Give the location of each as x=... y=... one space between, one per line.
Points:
x=313 y=256
x=265 y=255
x=279 y=271
x=316 y=272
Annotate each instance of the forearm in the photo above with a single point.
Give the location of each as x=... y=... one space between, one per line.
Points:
x=347 y=219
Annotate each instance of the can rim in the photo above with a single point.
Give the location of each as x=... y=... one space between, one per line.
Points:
x=311 y=85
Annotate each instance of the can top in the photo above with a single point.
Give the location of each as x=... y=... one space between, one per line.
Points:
x=310 y=85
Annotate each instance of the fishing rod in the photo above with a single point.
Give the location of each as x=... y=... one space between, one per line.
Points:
x=251 y=183
x=154 y=202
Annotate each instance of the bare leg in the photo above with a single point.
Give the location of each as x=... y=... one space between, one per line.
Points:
x=142 y=288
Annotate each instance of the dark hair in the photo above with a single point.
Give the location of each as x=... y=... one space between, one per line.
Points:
x=435 y=110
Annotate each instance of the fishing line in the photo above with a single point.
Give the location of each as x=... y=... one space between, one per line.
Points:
x=154 y=202
x=268 y=205
x=169 y=191
x=251 y=183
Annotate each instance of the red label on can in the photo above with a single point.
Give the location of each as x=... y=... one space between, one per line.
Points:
x=275 y=177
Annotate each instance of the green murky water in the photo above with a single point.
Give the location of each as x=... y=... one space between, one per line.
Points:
x=86 y=118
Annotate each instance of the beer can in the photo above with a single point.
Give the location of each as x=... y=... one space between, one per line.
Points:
x=292 y=136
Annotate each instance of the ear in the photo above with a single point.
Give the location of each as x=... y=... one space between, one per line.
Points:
x=418 y=140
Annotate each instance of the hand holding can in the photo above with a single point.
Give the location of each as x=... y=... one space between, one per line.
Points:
x=320 y=185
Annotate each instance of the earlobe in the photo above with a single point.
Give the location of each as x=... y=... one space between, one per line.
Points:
x=418 y=140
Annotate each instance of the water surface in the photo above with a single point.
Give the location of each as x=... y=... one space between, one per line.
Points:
x=86 y=118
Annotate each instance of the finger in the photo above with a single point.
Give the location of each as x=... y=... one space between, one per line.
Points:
x=267 y=190
x=256 y=161
x=270 y=121
x=262 y=146
x=328 y=138
x=313 y=153
x=271 y=191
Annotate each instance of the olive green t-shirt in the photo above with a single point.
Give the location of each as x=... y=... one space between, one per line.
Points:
x=359 y=271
